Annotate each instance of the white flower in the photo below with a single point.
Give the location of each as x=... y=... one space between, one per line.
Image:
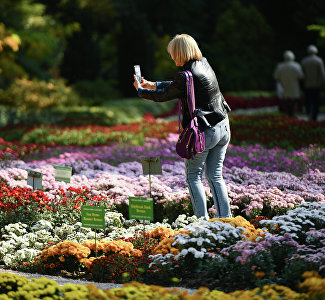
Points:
x=42 y=224
x=8 y=259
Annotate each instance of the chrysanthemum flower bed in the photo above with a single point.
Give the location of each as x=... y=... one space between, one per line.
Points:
x=16 y=287
x=277 y=233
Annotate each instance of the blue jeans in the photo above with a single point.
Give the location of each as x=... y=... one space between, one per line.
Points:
x=211 y=159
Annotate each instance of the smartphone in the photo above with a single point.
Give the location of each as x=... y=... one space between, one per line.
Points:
x=137 y=72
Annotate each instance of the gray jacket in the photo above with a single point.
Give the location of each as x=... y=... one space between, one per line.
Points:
x=313 y=68
x=288 y=74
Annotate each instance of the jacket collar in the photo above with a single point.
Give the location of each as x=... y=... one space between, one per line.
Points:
x=187 y=65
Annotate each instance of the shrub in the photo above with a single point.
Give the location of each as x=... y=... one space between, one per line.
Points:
x=63 y=256
x=96 y=92
x=27 y=94
x=21 y=204
x=41 y=288
x=11 y=282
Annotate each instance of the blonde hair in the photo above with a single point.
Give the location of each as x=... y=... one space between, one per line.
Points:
x=182 y=48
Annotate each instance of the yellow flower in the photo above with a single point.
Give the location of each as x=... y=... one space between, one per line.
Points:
x=309 y=274
x=61 y=258
x=175 y=280
x=315 y=287
x=251 y=232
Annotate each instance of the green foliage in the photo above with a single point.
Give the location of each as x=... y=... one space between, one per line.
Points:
x=320 y=28
x=240 y=49
x=9 y=44
x=165 y=67
x=111 y=113
x=172 y=209
x=35 y=94
x=43 y=49
x=47 y=135
x=42 y=41
x=100 y=40
x=94 y=93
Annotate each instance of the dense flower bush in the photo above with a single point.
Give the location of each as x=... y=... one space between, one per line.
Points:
x=272 y=258
x=14 y=150
x=14 y=287
x=251 y=192
x=36 y=94
x=64 y=255
x=239 y=102
x=276 y=131
x=268 y=130
x=21 y=204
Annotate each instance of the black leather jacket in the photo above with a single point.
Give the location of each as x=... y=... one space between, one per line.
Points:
x=208 y=97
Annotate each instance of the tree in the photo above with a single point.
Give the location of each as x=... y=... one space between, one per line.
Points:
x=42 y=41
x=9 y=68
x=241 y=48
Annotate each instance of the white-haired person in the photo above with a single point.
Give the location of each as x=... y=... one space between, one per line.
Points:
x=313 y=67
x=186 y=54
x=289 y=75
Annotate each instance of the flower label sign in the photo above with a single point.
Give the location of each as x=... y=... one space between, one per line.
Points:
x=63 y=173
x=151 y=165
x=93 y=217
x=140 y=208
x=34 y=179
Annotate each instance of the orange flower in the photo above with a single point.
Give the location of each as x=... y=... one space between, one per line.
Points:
x=52 y=265
x=72 y=251
x=136 y=253
x=88 y=262
x=259 y=274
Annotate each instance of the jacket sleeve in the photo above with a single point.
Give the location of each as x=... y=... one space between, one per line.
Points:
x=322 y=70
x=166 y=90
x=163 y=84
x=301 y=74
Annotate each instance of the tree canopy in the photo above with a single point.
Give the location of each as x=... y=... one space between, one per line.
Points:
x=92 y=45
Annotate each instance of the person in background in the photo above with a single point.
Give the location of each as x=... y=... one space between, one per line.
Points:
x=289 y=74
x=186 y=54
x=313 y=68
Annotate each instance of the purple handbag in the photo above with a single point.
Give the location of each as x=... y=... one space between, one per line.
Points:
x=191 y=140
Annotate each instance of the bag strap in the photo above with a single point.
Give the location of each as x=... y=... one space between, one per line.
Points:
x=190 y=93
x=190 y=98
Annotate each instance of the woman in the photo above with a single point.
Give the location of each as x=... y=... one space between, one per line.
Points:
x=186 y=54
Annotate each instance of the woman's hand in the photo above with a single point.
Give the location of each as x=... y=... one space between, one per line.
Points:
x=148 y=84
x=144 y=84
x=136 y=82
